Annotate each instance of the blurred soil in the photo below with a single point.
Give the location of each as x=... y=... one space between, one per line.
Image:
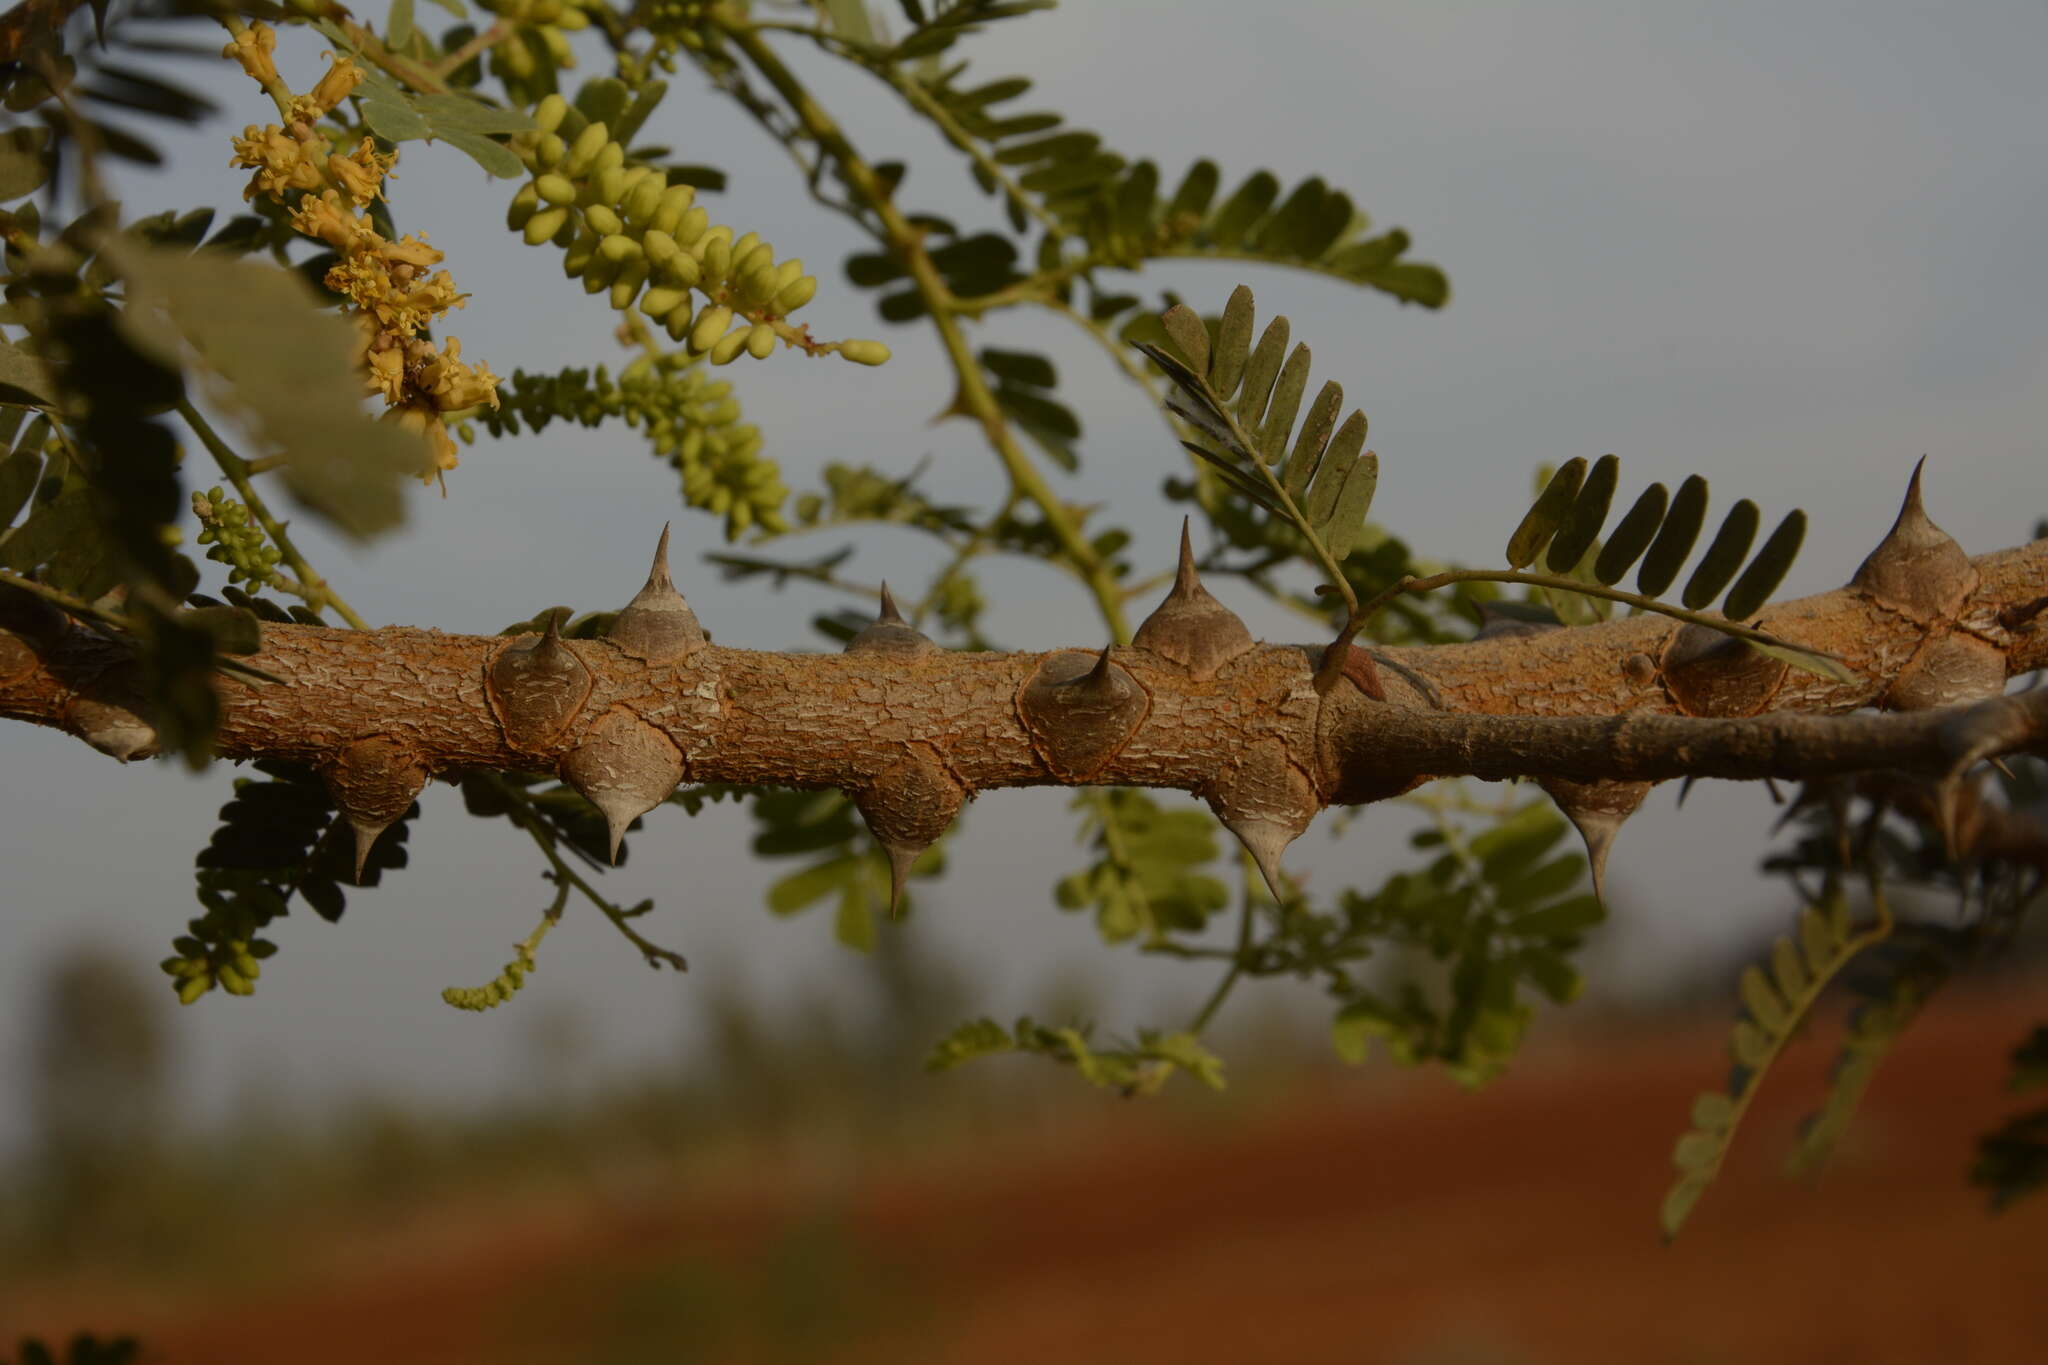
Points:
x=1362 y=1216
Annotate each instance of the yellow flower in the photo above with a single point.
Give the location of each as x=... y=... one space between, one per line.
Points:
x=454 y=385
x=280 y=161
x=325 y=218
x=387 y=373
x=361 y=173
x=338 y=84
x=252 y=48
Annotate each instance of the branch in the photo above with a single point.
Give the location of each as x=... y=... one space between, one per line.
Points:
x=911 y=731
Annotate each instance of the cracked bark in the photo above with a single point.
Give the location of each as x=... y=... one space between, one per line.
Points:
x=911 y=732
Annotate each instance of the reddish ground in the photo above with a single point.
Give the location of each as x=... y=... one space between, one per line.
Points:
x=1369 y=1222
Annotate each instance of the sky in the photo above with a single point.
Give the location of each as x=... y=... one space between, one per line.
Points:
x=1794 y=247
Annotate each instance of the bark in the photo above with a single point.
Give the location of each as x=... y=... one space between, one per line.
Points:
x=911 y=730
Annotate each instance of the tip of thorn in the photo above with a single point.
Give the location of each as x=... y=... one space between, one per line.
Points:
x=1185 y=580
x=1100 y=673
x=658 y=575
x=366 y=839
x=902 y=857
x=889 y=612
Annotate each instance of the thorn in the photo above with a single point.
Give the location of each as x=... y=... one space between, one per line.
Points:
x=902 y=857
x=890 y=633
x=1265 y=840
x=1186 y=582
x=657 y=576
x=889 y=612
x=1098 y=676
x=2003 y=771
x=1684 y=788
x=367 y=835
x=1597 y=810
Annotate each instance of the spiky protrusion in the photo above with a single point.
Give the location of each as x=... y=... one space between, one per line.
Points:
x=1597 y=810
x=1917 y=568
x=625 y=767
x=1268 y=803
x=374 y=781
x=113 y=725
x=1080 y=709
x=536 y=688
x=890 y=633
x=1191 y=628
x=908 y=808
x=658 y=625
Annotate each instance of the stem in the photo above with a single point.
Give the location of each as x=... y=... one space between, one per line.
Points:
x=497 y=33
x=908 y=243
x=1417 y=586
x=566 y=876
x=313 y=587
x=280 y=93
x=921 y=100
x=1237 y=963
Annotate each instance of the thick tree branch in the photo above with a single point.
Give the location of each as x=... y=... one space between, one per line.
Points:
x=912 y=731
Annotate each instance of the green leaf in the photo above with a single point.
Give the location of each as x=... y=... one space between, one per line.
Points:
x=1631 y=536
x=1543 y=518
x=1245 y=207
x=973 y=1039
x=24 y=162
x=289 y=366
x=1675 y=539
x=1767 y=570
x=1696 y=1151
x=457 y=114
x=1713 y=1111
x=1353 y=505
x=398 y=28
x=1588 y=512
x=1678 y=1204
x=494 y=157
x=391 y=119
x=1763 y=1003
x=1788 y=974
x=24 y=380
x=1233 y=344
x=1561 y=920
x=1723 y=557
x=854 y=925
x=805 y=887
x=1260 y=373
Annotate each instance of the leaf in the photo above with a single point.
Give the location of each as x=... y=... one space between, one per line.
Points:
x=1543 y=518
x=1631 y=536
x=1767 y=570
x=1184 y=326
x=976 y=1038
x=24 y=162
x=24 y=380
x=398 y=28
x=1678 y=1204
x=1675 y=540
x=1762 y=1002
x=1233 y=344
x=494 y=157
x=854 y=925
x=1260 y=373
x=1723 y=557
x=391 y=119
x=1353 y=505
x=457 y=114
x=1284 y=404
x=1562 y=920
x=289 y=365
x=1588 y=511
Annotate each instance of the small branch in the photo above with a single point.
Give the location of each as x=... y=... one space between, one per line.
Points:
x=238 y=471
x=497 y=33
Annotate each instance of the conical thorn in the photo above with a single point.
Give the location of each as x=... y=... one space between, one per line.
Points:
x=1186 y=582
x=367 y=835
x=1597 y=810
x=902 y=857
x=1265 y=840
x=889 y=612
x=657 y=576
x=1098 y=677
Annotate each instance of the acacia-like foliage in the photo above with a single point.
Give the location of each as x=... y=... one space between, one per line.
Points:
x=313 y=296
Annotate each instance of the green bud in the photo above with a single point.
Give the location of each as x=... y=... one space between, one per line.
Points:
x=662 y=300
x=548 y=114
x=659 y=246
x=643 y=199
x=524 y=205
x=580 y=253
x=616 y=247
x=865 y=352
x=675 y=202
x=677 y=323
x=556 y=189
x=573 y=19
x=606 y=187
x=693 y=226
x=796 y=295
x=588 y=143
x=717 y=259
x=745 y=244
x=710 y=327
x=550 y=150
x=628 y=284
x=788 y=273
x=232 y=981
x=191 y=988
x=728 y=347
x=599 y=275
x=543 y=225
x=608 y=156
x=760 y=341
x=605 y=220
x=753 y=260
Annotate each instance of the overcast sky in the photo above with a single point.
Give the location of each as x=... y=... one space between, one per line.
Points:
x=1794 y=247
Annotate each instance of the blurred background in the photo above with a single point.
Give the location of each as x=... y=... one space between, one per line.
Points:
x=1792 y=247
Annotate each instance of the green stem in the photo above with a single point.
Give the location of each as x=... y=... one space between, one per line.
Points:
x=1237 y=965
x=920 y=99
x=238 y=471
x=907 y=241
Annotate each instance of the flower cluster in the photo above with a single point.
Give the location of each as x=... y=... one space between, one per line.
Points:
x=393 y=293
